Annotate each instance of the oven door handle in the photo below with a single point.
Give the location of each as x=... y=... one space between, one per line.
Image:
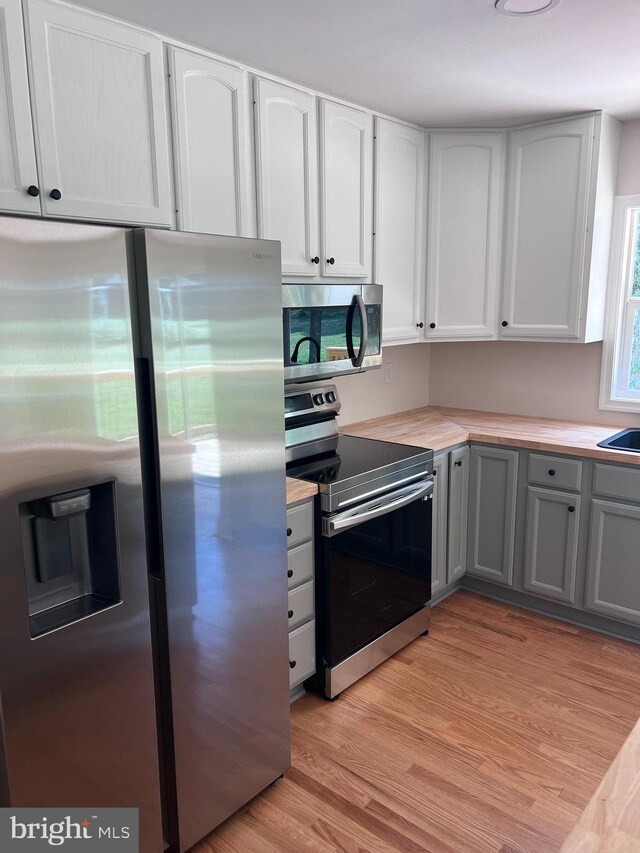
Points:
x=376 y=508
x=358 y=303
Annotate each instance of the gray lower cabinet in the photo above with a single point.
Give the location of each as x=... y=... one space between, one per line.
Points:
x=440 y=512
x=551 y=543
x=613 y=569
x=300 y=577
x=458 y=513
x=492 y=513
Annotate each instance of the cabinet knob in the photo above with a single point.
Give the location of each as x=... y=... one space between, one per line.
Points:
x=571 y=508
x=331 y=261
x=289 y=531
x=315 y=260
x=33 y=191
x=458 y=462
x=290 y=573
x=552 y=472
x=56 y=195
x=420 y=325
x=292 y=664
x=432 y=325
x=290 y=614
x=505 y=324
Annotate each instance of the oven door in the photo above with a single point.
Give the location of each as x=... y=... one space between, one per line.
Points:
x=375 y=565
x=331 y=329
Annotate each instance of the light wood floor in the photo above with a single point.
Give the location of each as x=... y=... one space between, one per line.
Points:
x=489 y=735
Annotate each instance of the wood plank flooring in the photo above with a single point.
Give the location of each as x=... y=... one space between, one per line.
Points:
x=490 y=735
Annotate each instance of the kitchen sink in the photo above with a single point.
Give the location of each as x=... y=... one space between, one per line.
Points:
x=628 y=439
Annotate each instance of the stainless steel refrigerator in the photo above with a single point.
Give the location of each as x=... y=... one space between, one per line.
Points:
x=143 y=628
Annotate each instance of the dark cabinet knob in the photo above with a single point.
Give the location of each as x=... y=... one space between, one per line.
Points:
x=290 y=614
x=458 y=462
x=33 y=191
x=290 y=573
x=292 y=664
x=315 y=260
x=505 y=324
x=331 y=261
x=56 y=195
x=571 y=508
x=420 y=325
x=289 y=531
x=432 y=325
x=552 y=472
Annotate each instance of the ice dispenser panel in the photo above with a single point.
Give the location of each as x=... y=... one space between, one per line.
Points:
x=70 y=556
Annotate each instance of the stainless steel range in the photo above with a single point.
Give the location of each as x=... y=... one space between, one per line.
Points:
x=373 y=537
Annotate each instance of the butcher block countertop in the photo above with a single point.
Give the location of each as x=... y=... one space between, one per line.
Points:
x=611 y=821
x=298 y=490
x=439 y=428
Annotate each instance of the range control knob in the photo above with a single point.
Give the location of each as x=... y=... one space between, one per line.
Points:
x=318 y=399
x=330 y=397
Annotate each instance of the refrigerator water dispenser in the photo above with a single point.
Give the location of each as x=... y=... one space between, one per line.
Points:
x=70 y=556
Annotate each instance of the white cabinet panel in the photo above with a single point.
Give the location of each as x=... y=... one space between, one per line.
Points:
x=465 y=222
x=287 y=173
x=546 y=237
x=99 y=96
x=17 y=151
x=398 y=262
x=209 y=101
x=346 y=140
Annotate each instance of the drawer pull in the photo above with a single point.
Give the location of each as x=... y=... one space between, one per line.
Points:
x=290 y=573
x=571 y=508
x=458 y=463
x=292 y=664
x=289 y=531
x=290 y=614
x=552 y=472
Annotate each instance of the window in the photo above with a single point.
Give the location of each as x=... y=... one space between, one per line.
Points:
x=620 y=387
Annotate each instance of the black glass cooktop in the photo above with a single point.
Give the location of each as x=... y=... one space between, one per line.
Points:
x=348 y=457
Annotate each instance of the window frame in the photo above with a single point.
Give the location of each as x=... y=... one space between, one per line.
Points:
x=618 y=335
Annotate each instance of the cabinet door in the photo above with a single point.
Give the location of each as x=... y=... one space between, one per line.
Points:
x=465 y=222
x=458 y=504
x=547 y=217
x=211 y=146
x=287 y=173
x=551 y=553
x=613 y=573
x=398 y=260
x=440 y=510
x=17 y=151
x=493 y=483
x=346 y=140
x=99 y=97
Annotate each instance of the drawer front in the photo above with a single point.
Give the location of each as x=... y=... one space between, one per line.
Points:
x=554 y=472
x=300 y=523
x=302 y=653
x=300 y=605
x=300 y=564
x=614 y=481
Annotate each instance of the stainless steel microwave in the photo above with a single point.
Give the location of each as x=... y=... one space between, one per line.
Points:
x=331 y=329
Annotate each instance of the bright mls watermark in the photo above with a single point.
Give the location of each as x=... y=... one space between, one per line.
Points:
x=79 y=830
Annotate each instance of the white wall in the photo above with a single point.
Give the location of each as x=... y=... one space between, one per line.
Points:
x=366 y=395
x=545 y=380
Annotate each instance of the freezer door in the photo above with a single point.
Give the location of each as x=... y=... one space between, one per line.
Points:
x=210 y=313
x=77 y=710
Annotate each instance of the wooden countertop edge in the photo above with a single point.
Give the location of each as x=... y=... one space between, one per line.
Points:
x=611 y=821
x=299 y=490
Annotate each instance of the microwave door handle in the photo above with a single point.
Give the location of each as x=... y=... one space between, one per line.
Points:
x=358 y=303
x=375 y=509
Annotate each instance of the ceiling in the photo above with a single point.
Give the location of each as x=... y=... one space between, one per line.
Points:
x=438 y=63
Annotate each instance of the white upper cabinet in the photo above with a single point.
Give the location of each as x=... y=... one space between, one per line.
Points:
x=211 y=145
x=398 y=255
x=346 y=180
x=287 y=174
x=101 y=131
x=465 y=222
x=561 y=185
x=17 y=153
